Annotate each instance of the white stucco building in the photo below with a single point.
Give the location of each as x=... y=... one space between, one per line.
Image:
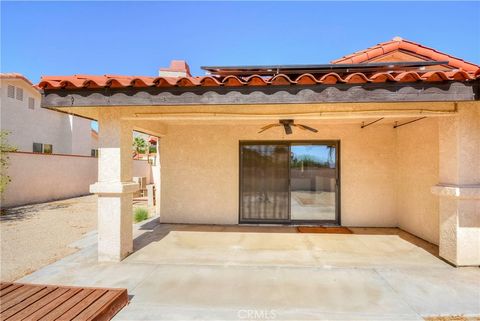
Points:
x=35 y=129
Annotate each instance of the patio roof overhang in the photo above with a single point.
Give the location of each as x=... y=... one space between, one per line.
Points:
x=420 y=91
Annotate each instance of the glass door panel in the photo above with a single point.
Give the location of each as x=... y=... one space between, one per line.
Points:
x=264 y=189
x=313 y=184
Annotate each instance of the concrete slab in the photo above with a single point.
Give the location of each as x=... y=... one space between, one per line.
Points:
x=433 y=292
x=370 y=251
x=284 y=249
x=229 y=292
x=220 y=273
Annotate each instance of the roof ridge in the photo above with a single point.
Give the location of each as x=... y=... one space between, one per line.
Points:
x=398 y=43
x=15 y=75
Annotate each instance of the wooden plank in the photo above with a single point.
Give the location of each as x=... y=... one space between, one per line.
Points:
x=105 y=307
x=3 y=285
x=115 y=306
x=83 y=304
x=28 y=306
x=9 y=289
x=49 y=307
x=18 y=296
x=13 y=297
x=176 y=96
x=67 y=305
x=42 y=302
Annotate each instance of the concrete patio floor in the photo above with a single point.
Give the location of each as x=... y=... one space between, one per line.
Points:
x=183 y=272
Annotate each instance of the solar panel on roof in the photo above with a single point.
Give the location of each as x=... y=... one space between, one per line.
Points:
x=302 y=69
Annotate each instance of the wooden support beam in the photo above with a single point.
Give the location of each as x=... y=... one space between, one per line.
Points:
x=292 y=94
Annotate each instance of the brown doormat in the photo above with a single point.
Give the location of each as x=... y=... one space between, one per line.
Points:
x=324 y=229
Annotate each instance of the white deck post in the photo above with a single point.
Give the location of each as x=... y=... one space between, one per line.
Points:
x=114 y=187
x=459 y=187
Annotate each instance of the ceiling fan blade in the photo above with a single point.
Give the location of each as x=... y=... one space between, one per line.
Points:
x=305 y=127
x=288 y=129
x=264 y=128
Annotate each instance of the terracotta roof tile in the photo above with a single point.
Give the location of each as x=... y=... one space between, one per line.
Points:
x=76 y=82
x=461 y=71
x=306 y=79
x=406 y=45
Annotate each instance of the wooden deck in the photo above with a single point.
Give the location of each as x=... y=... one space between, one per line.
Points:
x=49 y=302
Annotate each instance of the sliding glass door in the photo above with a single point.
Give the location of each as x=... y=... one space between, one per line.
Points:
x=264 y=186
x=313 y=182
x=289 y=182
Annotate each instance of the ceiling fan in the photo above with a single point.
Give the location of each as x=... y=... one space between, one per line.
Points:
x=287 y=125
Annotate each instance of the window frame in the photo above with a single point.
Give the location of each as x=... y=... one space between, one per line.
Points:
x=42 y=148
x=19 y=94
x=31 y=103
x=50 y=149
x=39 y=147
x=11 y=91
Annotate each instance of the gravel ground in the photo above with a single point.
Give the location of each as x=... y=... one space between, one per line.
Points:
x=36 y=235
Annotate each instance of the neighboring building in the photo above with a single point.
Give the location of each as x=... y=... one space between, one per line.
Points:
x=39 y=130
x=385 y=137
x=94 y=143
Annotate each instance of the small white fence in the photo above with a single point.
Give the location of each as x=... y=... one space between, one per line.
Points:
x=43 y=177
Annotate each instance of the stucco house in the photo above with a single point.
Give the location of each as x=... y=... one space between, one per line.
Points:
x=35 y=129
x=385 y=137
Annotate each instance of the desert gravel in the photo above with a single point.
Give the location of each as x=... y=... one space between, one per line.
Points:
x=36 y=235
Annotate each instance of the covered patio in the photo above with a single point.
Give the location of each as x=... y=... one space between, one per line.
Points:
x=187 y=272
x=400 y=123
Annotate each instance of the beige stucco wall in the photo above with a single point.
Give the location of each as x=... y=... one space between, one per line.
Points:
x=40 y=177
x=200 y=171
x=459 y=185
x=142 y=168
x=417 y=171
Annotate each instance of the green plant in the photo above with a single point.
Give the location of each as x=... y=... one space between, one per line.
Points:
x=152 y=149
x=141 y=214
x=139 y=145
x=5 y=148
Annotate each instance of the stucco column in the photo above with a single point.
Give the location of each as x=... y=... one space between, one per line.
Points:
x=157 y=178
x=114 y=187
x=459 y=186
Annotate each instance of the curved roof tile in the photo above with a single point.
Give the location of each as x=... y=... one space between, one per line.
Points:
x=306 y=79
x=93 y=82
x=398 y=43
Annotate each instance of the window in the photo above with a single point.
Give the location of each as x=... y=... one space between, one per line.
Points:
x=42 y=148
x=37 y=147
x=11 y=91
x=47 y=148
x=20 y=94
x=94 y=153
x=31 y=102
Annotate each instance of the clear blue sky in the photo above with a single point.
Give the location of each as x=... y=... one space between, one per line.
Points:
x=55 y=38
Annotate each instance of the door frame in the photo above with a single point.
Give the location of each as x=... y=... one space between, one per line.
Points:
x=289 y=143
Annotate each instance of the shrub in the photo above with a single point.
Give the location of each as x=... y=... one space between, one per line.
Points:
x=141 y=214
x=5 y=148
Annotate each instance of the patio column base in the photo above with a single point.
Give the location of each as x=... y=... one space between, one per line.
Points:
x=459 y=187
x=459 y=223
x=114 y=226
x=114 y=219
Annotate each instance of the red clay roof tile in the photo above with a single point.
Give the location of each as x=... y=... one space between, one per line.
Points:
x=461 y=71
x=398 y=43
x=73 y=82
